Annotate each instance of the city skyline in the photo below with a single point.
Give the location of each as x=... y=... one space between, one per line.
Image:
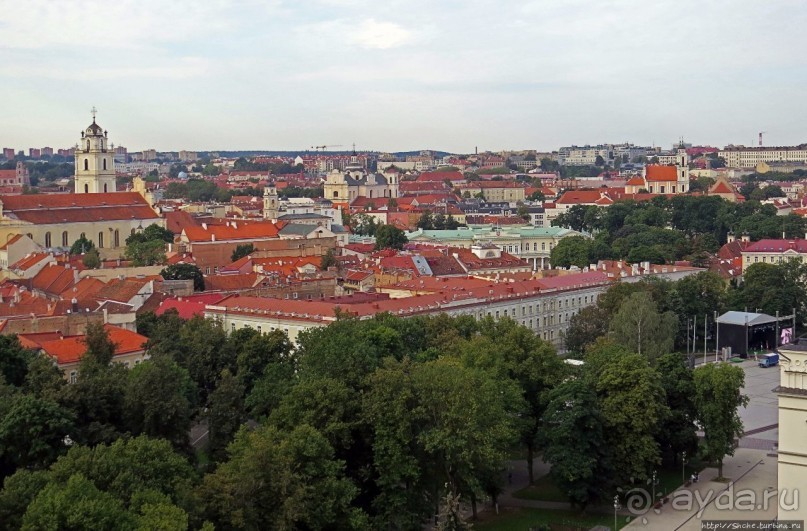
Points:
x=399 y=76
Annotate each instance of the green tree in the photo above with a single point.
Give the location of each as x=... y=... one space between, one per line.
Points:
x=14 y=360
x=91 y=259
x=146 y=253
x=242 y=250
x=277 y=480
x=76 y=505
x=585 y=327
x=225 y=413
x=774 y=288
x=44 y=379
x=32 y=432
x=426 y=221
x=633 y=407
x=18 y=492
x=158 y=400
x=185 y=272
x=677 y=434
x=81 y=246
x=642 y=328
x=575 y=444
x=718 y=396
x=328 y=260
x=571 y=251
x=465 y=426
x=390 y=237
x=128 y=467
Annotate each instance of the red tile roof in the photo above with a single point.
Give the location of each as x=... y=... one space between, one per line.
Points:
x=41 y=209
x=54 y=279
x=777 y=246
x=29 y=261
x=11 y=240
x=239 y=230
x=71 y=349
x=189 y=306
x=658 y=173
x=121 y=290
x=231 y=282
x=579 y=197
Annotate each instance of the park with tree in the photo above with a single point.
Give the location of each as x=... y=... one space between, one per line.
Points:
x=364 y=424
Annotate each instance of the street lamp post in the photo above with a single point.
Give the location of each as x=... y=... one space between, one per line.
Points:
x=683 y=467
x=616 y=508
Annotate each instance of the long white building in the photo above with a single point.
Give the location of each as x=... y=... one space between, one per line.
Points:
x=749 y=157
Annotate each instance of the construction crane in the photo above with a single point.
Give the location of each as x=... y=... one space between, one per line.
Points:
x=322 y=148
x=760 y=137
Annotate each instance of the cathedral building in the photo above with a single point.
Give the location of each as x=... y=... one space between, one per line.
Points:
x=342 y=187
x=662 y=179
x=96 y=210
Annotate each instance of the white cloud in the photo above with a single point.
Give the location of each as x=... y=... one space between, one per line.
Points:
x=373 y=34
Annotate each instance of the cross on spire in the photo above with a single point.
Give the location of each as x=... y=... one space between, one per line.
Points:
x=93 y=111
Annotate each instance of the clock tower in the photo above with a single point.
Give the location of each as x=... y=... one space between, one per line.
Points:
x=95 y=163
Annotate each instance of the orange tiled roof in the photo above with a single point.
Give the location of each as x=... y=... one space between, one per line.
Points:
x=10 y=241
x=29 y=261
x=53 y=279
x=71 y=349
x=232 y=231
x=121 y=290
x=657 y=173
x=42 y=209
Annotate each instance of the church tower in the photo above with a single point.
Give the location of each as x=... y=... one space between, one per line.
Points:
x=270 y=202
x=95 y=166
x=682 y=166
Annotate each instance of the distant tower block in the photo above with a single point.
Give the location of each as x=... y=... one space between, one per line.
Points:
x=95 y=166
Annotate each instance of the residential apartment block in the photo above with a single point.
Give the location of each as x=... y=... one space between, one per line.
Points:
x=750 y=157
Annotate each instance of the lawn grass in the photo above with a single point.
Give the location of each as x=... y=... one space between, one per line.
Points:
x=522 y=519
x=542 y=490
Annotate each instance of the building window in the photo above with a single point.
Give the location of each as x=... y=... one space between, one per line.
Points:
x=105 y=190
x=86 y=188
x=86 y=163
x=117 y=235
x=543 y=246
x=259 y=329
x=47 y=239
x=100 y=240
x=65 y=240
x=335 y=194
x=105 y=168
x=232 y=327
x=73 y=376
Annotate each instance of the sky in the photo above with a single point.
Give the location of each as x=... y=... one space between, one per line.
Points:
x=402 y=74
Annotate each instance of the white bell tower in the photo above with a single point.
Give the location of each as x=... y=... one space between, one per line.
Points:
x=95 y=162
x=682 y=166
x=270 y=202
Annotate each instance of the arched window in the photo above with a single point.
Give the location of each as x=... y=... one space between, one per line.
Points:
x=133 y=231
x=86 y=188
x=86 y=164
x=117 y=238
x=105 y=190
x=83 y=235
x=335 y=194
x=65 y=239
x=101 y=240
x=104 y=163
x=47 y=239
x=88 y=145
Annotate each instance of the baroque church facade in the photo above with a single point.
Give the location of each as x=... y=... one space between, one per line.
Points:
x=95 y=210
x=344 y=186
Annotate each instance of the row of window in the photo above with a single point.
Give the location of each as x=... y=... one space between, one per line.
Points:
x=87 y=164
x=74 y=374
x=99 y=242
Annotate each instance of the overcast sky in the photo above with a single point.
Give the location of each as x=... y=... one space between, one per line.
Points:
x=403 y=74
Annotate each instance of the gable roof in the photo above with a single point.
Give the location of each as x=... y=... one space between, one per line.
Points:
x=71 y=349
x=241 y=230
x=658 y=173
x=44 y=209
